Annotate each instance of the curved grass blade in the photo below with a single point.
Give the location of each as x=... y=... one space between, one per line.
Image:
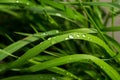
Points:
x=57 y=39
x=111 y=72
x=57 y=70
x=36 y=77
x=19 y=44
x=31 y=38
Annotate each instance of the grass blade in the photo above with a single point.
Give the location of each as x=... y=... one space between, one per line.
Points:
x=35 y=77
x=19 y=44
x=57 y=39
x=111 y=72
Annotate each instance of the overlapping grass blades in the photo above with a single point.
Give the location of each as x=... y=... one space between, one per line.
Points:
x=111 y=72
x=78 y=41
x=34 y=37
x=19 y=44
x=53 y=40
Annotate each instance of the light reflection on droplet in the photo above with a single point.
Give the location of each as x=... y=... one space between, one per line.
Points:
x=57 y=31
x=53 y=78
x=44 y=34
x=66 y=38
x=83 y=35
x=17 y=1
x=71 y=36
x=28 y=3
x=78 y=35
x=58 y=14
x=49 y=38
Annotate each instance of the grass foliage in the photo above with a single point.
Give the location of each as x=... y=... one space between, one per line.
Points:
x=58 y=40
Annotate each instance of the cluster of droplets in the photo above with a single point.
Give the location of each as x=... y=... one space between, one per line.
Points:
x=18 y=1
x=72 y=36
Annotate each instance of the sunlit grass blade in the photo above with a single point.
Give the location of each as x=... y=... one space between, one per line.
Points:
x=57 y=39
x=111 y=72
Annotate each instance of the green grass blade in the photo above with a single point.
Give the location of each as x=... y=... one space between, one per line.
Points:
x=57 y=39
x=35 y=77
x=111 y=72
x=109 y=29
x=108 y=4
x=31 y=38
x=57 y=70
x=3 y=52
x=19 y=44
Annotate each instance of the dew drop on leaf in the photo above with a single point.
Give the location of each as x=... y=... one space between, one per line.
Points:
x=58 y=14
x=44 y=34
x=57 y=31
x=49 y=38
x=71 y=36
x=53 y=78
x=77 y=35
x=52 y=42
x=83 y=35
x=28 y=3
x=66 y=38
x=17 y=1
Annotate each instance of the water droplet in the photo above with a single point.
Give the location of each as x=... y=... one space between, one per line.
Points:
x=49 y=38
x=78 y=35
x=53 y=42
x=17 y=1
x=71 y=36
x=102 y=67
x=67 y=73
x=57 y=31
x=28 y=3
x=66 y=38
x=83 y=35
x=44 y=34
x=53 y=78
x=58 y=14
x=102 y=56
